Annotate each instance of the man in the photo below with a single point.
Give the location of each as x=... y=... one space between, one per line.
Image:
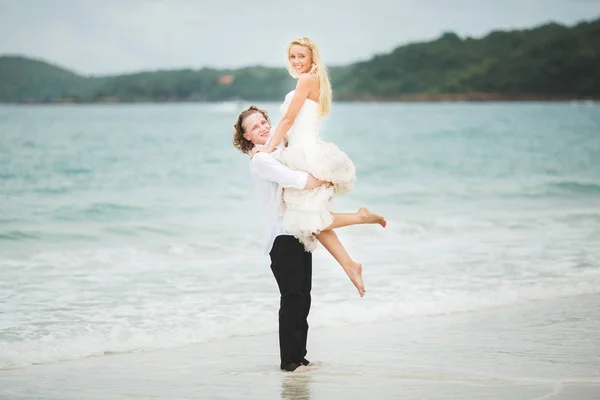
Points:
x=290 y=263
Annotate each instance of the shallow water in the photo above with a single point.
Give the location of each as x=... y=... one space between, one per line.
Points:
x=134 y=227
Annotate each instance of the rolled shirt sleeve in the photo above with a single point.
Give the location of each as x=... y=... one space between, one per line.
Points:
x=269 y=168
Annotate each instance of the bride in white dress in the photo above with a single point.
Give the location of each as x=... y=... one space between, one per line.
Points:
x=307 y=214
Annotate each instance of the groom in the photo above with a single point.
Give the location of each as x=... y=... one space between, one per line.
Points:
x=290 y=263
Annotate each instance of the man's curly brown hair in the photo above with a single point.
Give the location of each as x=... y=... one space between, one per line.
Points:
x=239 y=141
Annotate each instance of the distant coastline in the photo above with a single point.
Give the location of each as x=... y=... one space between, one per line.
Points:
x=412 y=98
x=551 y=62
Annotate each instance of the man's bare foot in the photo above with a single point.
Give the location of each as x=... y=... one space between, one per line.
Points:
x=296 y=367
x=370 y=217
x=354 y=271
x=303 y=368
x=311 y=363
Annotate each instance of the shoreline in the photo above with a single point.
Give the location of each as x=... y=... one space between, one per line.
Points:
x=544 y=349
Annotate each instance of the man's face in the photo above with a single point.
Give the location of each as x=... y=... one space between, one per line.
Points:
x=256 y=128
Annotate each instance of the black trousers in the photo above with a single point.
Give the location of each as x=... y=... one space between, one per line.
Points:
x=292 y=268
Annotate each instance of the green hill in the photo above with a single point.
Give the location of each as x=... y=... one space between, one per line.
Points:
x=22 y=79
x=549 y=61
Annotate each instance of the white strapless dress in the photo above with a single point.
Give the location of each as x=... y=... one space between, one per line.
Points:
x=306 y=212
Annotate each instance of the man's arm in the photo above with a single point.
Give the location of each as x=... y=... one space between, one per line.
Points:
x=268 y=167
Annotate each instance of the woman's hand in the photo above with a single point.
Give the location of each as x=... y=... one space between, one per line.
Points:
x=257 y=149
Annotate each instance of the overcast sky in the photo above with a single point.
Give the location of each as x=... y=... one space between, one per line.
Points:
x=107 y=36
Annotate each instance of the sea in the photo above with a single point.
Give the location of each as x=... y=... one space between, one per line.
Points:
x=135 y=227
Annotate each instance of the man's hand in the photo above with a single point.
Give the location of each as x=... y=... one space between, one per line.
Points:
x=312 y=182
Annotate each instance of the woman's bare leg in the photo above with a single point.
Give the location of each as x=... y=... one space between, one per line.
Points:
x=362 y=216
x=332 y=244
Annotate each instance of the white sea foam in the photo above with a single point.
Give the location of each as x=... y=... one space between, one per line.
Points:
x=130 y=300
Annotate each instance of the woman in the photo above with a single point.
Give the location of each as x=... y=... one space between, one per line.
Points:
x=307 y=213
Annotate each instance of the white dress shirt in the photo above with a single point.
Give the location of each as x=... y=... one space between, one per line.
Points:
x=268 y=174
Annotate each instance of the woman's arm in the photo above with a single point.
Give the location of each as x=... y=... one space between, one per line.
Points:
x=306 y=83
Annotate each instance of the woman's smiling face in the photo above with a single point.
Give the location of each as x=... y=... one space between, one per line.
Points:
x=300 y=59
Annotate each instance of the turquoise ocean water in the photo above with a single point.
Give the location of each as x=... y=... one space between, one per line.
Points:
x=135 y=227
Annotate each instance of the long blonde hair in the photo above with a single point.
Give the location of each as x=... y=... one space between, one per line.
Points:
x=318 y=70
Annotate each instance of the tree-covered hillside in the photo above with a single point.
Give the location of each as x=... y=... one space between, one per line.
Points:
x=549 y=61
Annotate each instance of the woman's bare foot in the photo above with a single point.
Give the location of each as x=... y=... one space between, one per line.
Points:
x=370 y=217
x=354 y=271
